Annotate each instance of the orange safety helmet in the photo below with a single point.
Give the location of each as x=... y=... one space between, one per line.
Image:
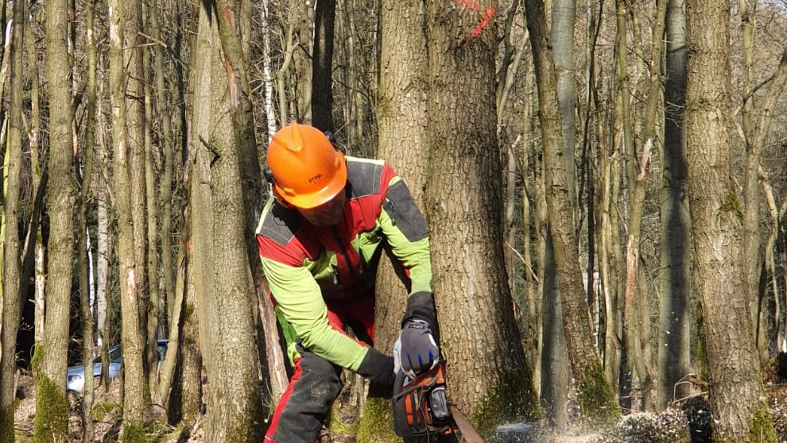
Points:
x=307 y=169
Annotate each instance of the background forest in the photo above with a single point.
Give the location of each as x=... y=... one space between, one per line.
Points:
x=604 y=181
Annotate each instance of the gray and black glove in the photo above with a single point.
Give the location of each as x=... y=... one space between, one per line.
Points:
x=416 y=350
x=378 y=368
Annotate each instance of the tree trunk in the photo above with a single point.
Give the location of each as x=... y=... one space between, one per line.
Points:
x=152 y=230
x=675 y=275
x=135 y=128
x=595 y=394
x=131 y=336
x=241 y=110
x=11 y=297
x=83 y=242
x=51 y=422
x=402 y=116
x=735 y=383
x=322 y=65
x=168 y=147
x=223 y=281
x=555 y=370
x=752 y=256
x=491 y=381
x=302 y=76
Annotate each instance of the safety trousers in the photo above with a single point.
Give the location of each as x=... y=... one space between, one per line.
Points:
x=316 y=382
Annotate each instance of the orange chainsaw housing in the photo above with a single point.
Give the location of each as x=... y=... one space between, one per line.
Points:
x=420 y=406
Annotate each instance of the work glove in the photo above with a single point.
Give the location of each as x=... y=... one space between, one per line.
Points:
x=416 y=350
x=378 y=368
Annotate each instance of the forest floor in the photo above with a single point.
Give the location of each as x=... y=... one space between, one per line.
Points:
x=691 y=423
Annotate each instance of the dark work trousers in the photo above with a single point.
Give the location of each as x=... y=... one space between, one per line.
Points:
x=315 y=383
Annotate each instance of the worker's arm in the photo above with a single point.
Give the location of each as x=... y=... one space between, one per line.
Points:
x=300 y=302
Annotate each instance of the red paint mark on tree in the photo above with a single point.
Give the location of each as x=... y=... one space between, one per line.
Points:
x=484 y=21
x=472 y=5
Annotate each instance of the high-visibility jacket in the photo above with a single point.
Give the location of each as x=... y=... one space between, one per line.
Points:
x=307 y=266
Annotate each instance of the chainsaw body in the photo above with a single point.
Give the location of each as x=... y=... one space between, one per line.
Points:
x=420 y=406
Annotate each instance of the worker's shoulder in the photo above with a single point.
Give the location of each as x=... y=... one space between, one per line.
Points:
x=365 y=175
x=279 y=224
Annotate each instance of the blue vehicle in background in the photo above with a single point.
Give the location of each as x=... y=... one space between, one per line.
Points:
x=75 y=376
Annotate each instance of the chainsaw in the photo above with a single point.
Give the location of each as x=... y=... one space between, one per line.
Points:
x=422 y=412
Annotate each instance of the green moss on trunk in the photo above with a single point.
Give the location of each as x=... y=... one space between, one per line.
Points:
x=761 y=426
x=7 y=425
x=133 y=432
x=377 y=423
x=596 y=399
x=514 y=400
x=51 y=420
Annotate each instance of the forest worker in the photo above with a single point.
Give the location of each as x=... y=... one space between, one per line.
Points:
x=320 y=239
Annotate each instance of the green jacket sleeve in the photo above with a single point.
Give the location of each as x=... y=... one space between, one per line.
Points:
x=301 y=304
x=405 y=229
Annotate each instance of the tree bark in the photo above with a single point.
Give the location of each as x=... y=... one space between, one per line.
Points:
x=11 y=297
x=223 y=281
x=322 y=65
x=131 y=336
x=463 y=203
x=51 y=418
x=735 y=383
x=83 y=242
x=402 y=116
x=595 y=394
x=675 y=274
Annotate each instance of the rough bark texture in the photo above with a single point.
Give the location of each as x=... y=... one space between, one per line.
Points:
x=463 y=201
x=51 y=422
x=735 y=383
x=85 y=267
x=402 y=143
x=135 y=139
x=675 y=253
x=131 y=341
x=11 y=262
x=223 y=280
x=555 y=367
x=595 y=394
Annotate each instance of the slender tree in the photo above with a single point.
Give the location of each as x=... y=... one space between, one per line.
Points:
x=131 y=338
x=675 y=278
x=595 y=394
x=12 y=167
x=735 y=384
x=52 y=418
x=82 y=237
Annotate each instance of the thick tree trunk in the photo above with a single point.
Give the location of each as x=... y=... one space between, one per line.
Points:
x=463 y=200
x=402 y=116
x=555 y=369
x=675 y=253
x=735 y=383
x=223 y=281
x=595 y=394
